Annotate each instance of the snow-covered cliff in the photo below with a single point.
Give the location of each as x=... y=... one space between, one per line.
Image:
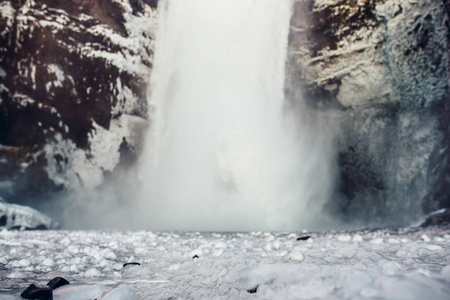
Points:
x=73 y=83
x=379 y=70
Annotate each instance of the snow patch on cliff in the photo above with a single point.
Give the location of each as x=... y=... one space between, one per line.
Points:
x=7 y=12
x=140 y=37
x=85 y=168
x=56 y=70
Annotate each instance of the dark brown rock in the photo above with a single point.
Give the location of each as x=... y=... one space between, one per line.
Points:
x=64 y=71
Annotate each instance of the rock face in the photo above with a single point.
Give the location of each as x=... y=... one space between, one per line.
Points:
x=73 y=84
x=380 y=68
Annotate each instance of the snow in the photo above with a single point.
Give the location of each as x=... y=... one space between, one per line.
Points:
x=22 y=99
x=8 y=297
x=59 y=74
x=139 y=28
x=296 y=255
x=381 y=264
x=15 y=275
x=78 y=292
x=120 y=293
x=86 y=167
x=20 y=216
x=7 y=12
x=48 y=262
x=93 y=272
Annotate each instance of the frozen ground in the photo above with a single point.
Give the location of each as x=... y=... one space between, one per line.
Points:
x=383 y=264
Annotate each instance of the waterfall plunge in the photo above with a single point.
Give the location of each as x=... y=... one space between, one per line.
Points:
x=223 y=152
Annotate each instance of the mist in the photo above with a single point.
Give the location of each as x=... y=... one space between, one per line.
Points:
x=224 y=151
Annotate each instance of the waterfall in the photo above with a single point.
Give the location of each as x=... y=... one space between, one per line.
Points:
x=224 y=151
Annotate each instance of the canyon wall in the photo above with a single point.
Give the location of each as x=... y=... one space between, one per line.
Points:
x=379 y=70
x=73 y=82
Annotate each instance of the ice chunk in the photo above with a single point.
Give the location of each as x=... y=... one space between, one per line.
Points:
x=109 y=254
x=78 y=292
x=344 y=238
x=13 y=252
x=377 y=241
x=413 y=287
x=24 y=262
x=15 y=275
x=425 y=238
x=251 y=278
x=122 y=292
x=393 y=241
x=48 y=262
x=174 y=267
x=220 y=245
x=296 y=255
x=8 y=297
x=136 y=272
x=357 y=238
x=354 y=280
x=446 y=272
x=313 y=289
x=93 y=272
x=217 y=253
x=117 y=266
x=74 y=269
x=197 y=252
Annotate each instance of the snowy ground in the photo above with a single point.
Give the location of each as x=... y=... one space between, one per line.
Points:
x=382 y=264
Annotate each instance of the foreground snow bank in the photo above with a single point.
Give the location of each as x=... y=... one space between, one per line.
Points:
x=412 y=263
x=86 y=292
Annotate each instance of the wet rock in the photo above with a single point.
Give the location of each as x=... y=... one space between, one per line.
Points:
x=34 y=292
x=57 y=282
x=131 y=264
x=304 y=238
x=43 y=293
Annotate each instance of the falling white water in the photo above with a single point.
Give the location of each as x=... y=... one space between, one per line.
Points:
x=222 y=152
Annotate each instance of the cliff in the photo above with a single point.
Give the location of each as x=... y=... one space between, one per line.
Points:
x=379 y=71
x=73 y=83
